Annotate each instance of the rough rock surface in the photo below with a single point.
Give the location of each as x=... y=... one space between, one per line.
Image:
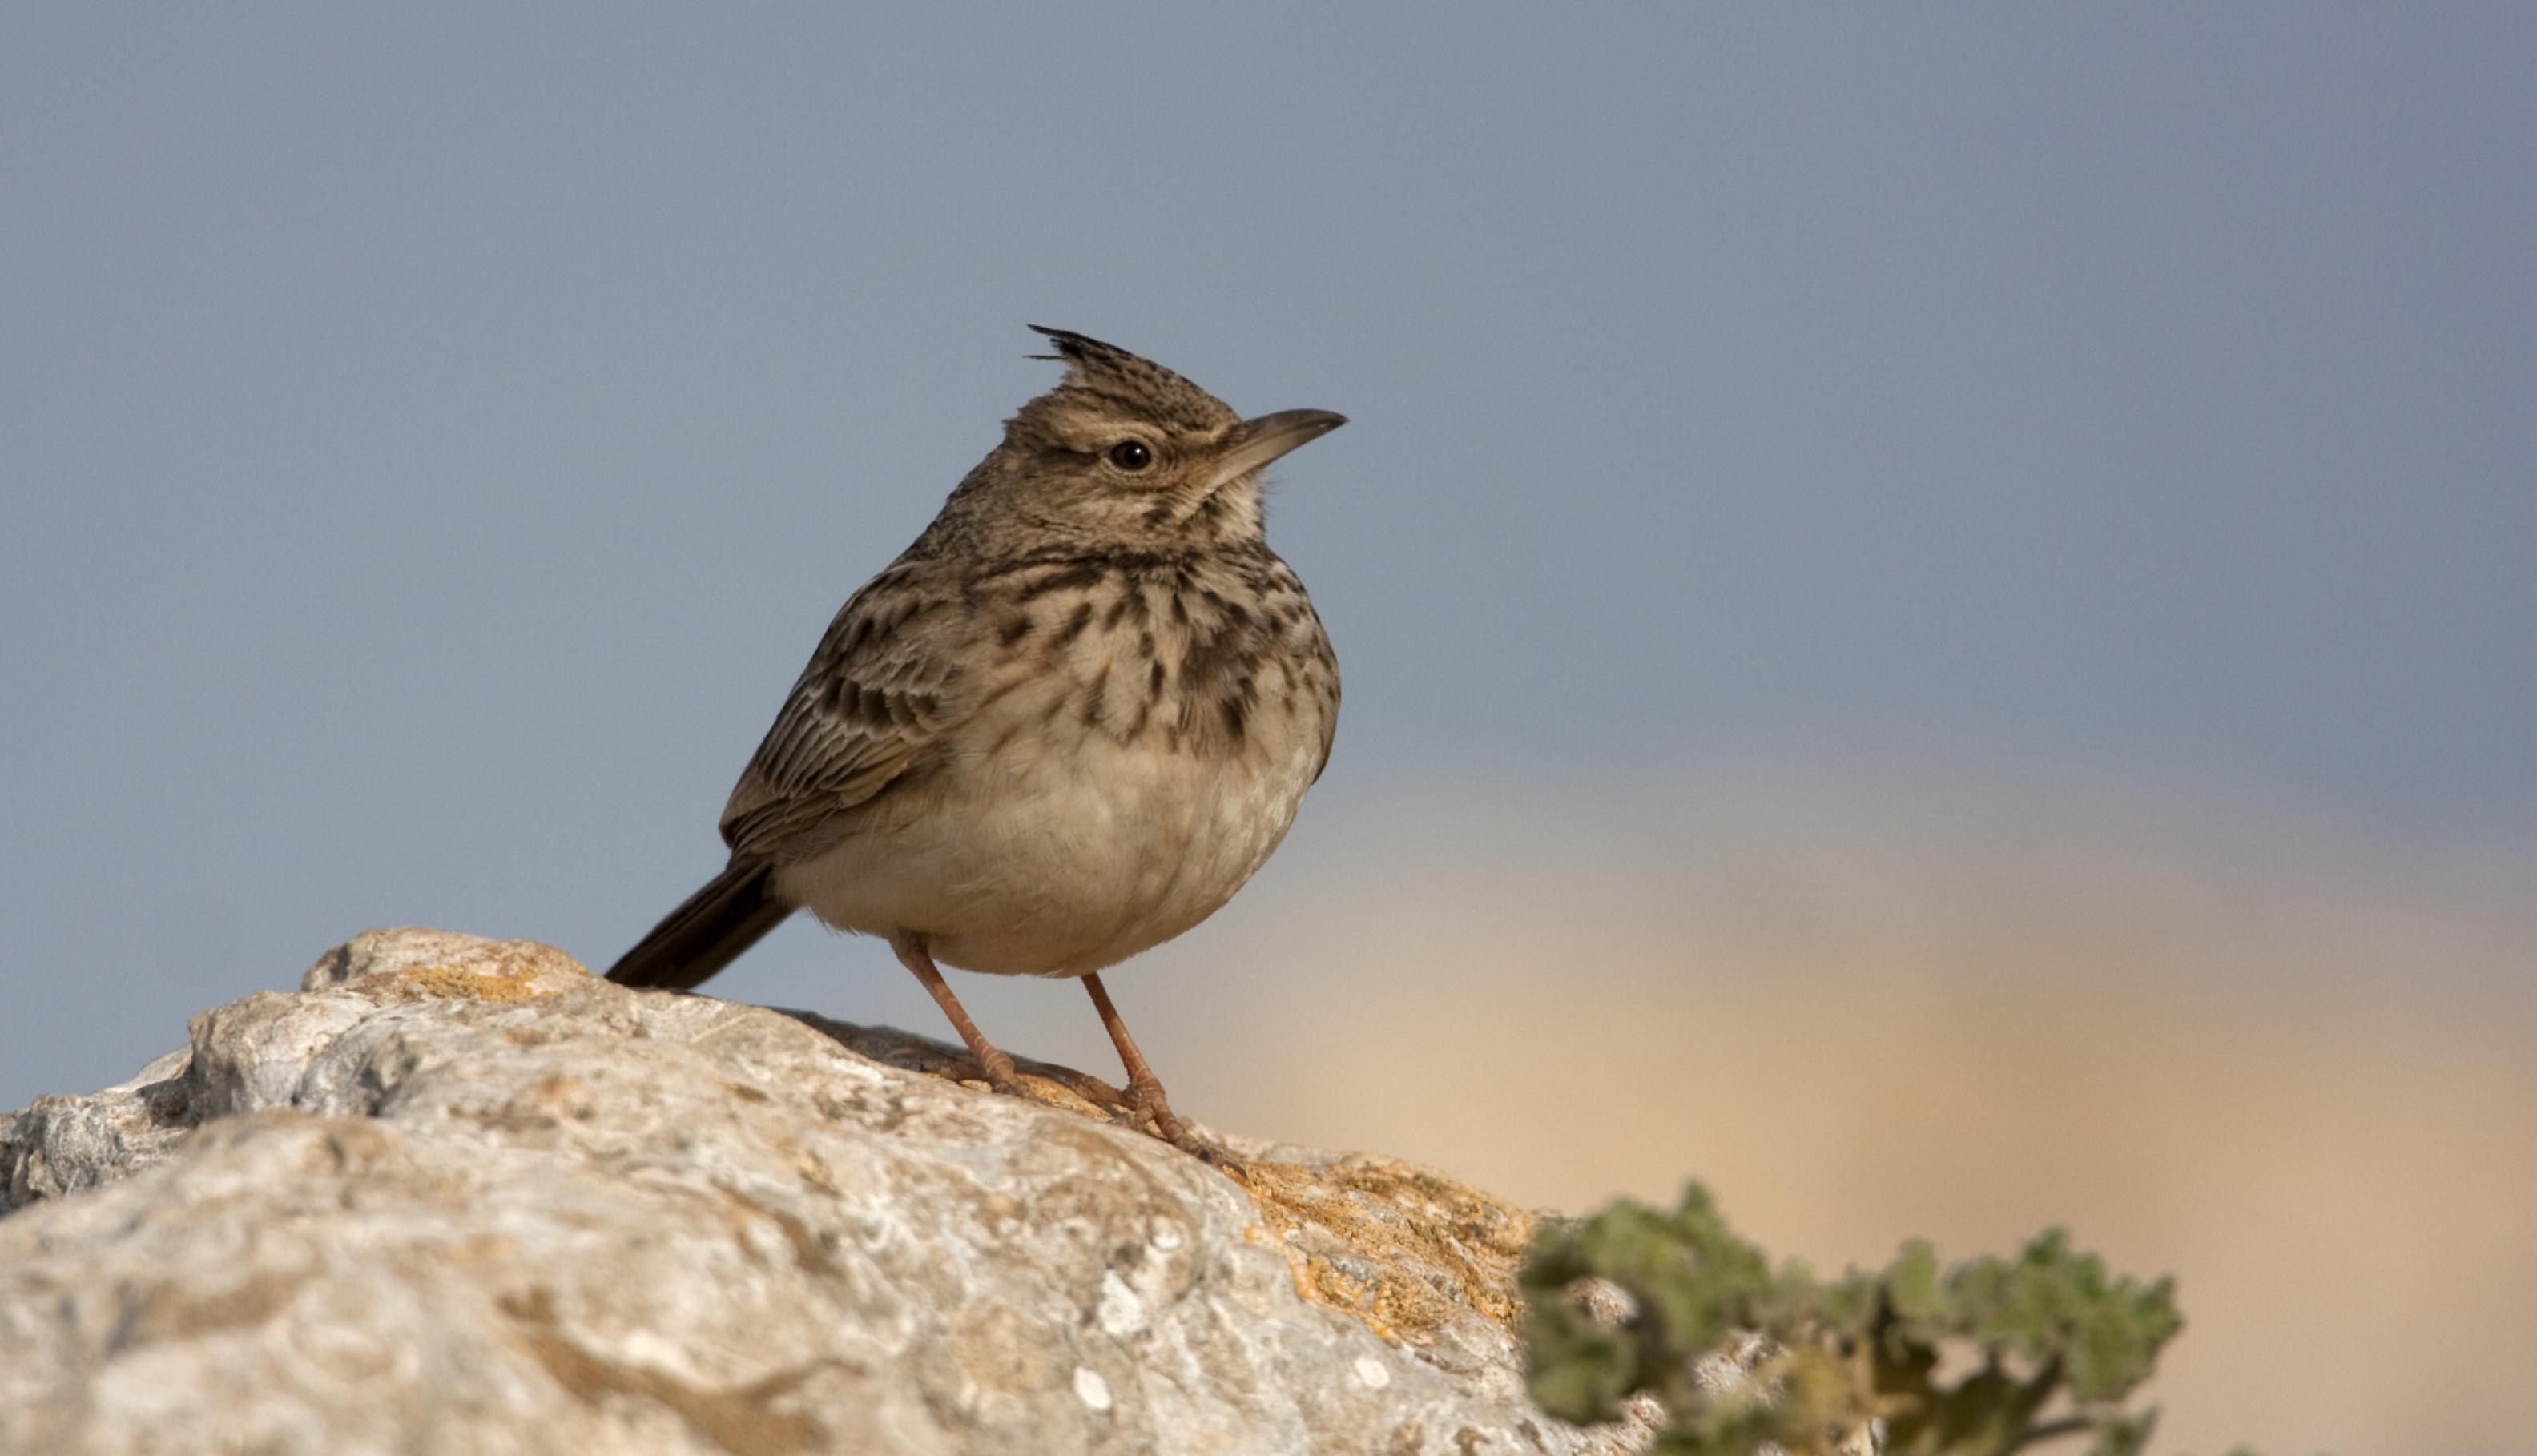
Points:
x=459 y=1195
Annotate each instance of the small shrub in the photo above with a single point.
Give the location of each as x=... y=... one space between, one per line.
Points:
x=1981 y=1359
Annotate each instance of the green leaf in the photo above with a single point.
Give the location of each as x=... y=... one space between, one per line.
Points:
x=2047 y=1330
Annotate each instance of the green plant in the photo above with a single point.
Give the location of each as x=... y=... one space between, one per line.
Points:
x=1983 y=1358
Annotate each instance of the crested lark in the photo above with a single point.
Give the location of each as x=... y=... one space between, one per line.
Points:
x=1061 y=728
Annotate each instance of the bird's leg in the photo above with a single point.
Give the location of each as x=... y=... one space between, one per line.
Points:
x=1144 y=1089
x=995 y=1065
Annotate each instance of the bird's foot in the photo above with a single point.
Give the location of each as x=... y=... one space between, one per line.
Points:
x=996 y=1069
x=1145 y=1104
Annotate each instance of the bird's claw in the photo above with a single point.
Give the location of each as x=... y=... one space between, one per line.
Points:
x=997 y=1070
x=1146 y=1105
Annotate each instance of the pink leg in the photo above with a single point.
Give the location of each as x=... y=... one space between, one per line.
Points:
x=998 y=1068
x=1144 y=1089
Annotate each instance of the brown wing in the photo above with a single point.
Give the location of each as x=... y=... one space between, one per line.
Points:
x=878 y=693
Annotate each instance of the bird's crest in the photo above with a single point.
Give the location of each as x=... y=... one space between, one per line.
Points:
x=1111 y=375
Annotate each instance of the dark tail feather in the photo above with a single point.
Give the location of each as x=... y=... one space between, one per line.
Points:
x=708 y=932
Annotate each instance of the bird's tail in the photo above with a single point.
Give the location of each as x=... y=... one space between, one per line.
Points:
x=731 y=914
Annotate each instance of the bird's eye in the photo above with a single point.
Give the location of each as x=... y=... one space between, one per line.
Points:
x=1131 y=454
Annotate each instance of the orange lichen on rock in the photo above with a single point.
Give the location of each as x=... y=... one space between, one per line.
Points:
x=411 y=964
x=1402 y=1249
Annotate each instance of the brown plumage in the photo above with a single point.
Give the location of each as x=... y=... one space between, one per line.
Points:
x=1064 y=726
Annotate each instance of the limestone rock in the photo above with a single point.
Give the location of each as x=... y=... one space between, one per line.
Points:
x=459 y=1195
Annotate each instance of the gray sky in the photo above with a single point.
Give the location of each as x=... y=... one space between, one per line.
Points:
x=434 y=439
x=431 y=439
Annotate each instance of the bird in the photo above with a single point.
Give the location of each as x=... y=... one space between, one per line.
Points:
x=1064 y=726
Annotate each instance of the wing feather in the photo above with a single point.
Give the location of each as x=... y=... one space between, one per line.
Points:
x=879 y=692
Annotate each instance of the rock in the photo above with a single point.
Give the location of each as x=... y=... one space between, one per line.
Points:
x=459 y=1195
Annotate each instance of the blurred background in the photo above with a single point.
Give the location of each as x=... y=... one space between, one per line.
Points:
x=1940 y=608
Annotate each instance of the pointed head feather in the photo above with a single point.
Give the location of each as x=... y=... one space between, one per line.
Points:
x=1110 y=377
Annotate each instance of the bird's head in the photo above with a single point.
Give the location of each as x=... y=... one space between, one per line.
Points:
x=1124 y=450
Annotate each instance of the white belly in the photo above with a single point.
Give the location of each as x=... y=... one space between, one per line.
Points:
x=1063 y=861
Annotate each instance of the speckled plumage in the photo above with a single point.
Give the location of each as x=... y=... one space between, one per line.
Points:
x=1064 y=726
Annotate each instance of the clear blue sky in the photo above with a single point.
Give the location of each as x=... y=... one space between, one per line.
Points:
x=432 y=437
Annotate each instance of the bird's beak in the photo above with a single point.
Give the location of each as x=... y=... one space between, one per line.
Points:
x=1269 y=436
